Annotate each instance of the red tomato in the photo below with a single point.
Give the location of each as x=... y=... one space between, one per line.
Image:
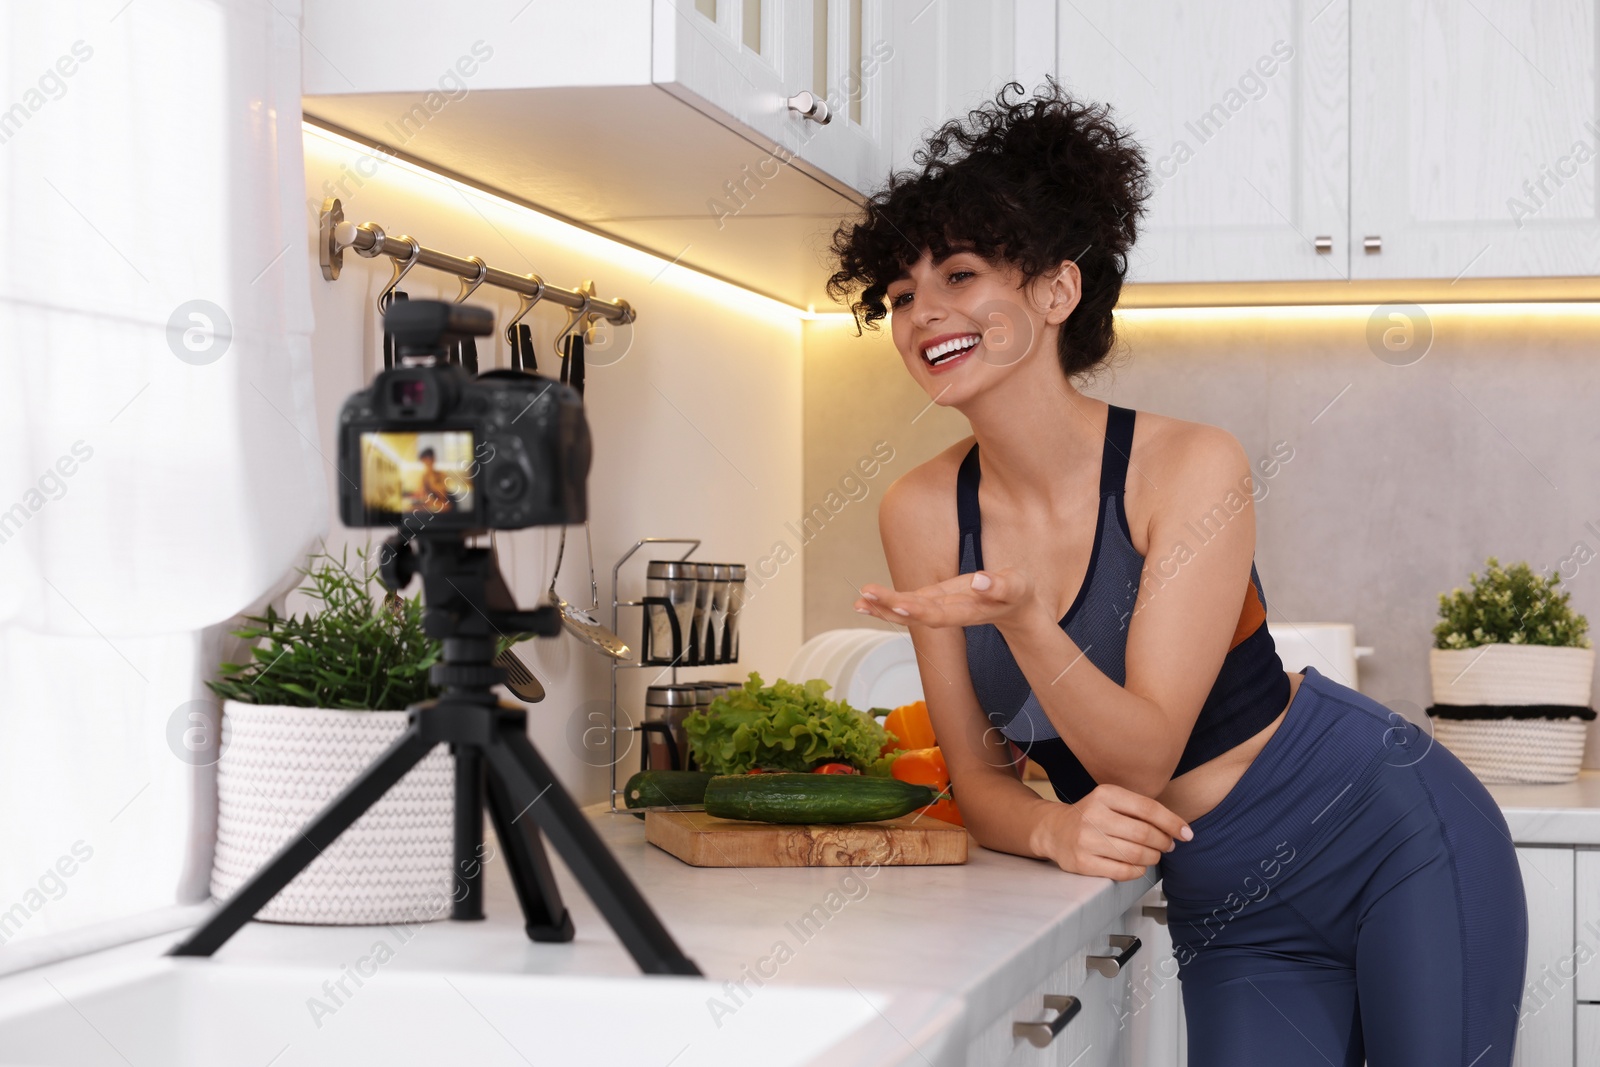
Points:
x=835 y=768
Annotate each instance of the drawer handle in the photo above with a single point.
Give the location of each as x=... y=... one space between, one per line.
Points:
x=1110 y=966
x=1158 y=912
x=1373 y=243
x=1324 y=245
x=809 y=105
x=1040 y=1034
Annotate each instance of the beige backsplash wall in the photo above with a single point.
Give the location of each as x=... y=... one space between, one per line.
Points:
x=1402 y=480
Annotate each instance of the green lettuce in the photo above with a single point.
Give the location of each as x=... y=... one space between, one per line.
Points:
x=785 y=725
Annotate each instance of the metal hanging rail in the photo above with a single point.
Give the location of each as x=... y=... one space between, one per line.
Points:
x=369 y=240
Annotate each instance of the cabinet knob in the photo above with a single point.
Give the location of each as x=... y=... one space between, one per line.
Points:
x=1040 y=1034
x=1110 y=966
x=1324 y=245
x=1373 y=243
x=809 y=105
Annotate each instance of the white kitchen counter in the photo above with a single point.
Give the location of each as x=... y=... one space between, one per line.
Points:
x=986 y=931
x=1567 y=814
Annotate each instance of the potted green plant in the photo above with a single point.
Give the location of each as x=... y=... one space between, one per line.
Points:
x=1512 y=670
x=322 y=696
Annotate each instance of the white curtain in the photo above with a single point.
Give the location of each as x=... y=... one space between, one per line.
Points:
x=159 y=471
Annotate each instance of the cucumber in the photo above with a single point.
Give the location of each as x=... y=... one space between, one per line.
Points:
x=653 y=789
x=795 y=797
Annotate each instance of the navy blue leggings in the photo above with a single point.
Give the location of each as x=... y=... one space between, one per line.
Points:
x=1356 y=894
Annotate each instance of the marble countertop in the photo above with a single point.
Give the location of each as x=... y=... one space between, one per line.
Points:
x=986 y=931
x=1566 y=814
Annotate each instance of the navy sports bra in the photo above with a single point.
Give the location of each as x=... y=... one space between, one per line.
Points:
x=1251 y=687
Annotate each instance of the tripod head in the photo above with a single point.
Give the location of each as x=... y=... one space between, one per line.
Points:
x=465 y=603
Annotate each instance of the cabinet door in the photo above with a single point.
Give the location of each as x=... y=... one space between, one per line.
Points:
x=949 y=58
x=849 y=51
x=729 y=58
x=1474 y=138
x=1242 y=109
x=742 y=60
x=1544 y=1035
x=1150 y=1016
x=1587 y=918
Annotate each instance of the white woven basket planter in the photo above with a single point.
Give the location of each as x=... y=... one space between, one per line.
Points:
x=280 y=766
x=1506 y=750
x=1537 y=751
x=1512 y=674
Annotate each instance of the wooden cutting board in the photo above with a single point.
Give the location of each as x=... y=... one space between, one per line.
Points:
x=703 y=840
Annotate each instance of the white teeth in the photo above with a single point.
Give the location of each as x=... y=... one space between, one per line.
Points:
x=949 y=349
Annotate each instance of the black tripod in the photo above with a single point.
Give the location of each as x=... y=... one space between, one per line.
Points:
x=466 y=604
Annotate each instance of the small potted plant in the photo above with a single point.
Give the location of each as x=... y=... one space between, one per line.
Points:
x=324 y=694
x=1512 y=670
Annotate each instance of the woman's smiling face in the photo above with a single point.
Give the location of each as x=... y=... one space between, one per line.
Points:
x=961 y=324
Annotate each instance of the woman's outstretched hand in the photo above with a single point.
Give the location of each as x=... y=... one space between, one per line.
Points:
x=1002 y=596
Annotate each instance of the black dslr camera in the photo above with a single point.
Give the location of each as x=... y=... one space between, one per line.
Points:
x=427 y=447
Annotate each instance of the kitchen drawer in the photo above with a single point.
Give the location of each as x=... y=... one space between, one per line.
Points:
x=1151 y=1015
x=1588 y=918
x=997 y=1042
x=1588 y=1034
x=1092 y=1038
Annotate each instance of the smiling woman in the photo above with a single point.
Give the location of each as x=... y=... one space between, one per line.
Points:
x=1167 y=723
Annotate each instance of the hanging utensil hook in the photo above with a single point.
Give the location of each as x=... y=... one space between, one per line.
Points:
x=470 y=285
x=524 y=305
x=574 y=317
x=401 y=269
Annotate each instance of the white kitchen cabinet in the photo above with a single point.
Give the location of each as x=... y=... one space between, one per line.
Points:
x=973 y=52
x=1586 y=916
x=1475 y=132
x=1588 y=1034
x=1151 y=1020
x=1331 y=141
x=1545 y=1034
x=1242 y=111
x=743 y=60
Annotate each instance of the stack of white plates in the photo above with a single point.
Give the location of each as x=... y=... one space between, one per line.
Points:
x=1330 y=647
x=864 y=667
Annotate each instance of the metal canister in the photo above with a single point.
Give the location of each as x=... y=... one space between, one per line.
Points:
x=675 y=582
x=735 y=608
x=699 y=645
x=666 y=746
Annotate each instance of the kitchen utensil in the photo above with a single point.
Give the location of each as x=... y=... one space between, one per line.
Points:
x=736 y=572
x=519 y=679
x=702 y=840
x=669 y=590
x=578 y=622
x=886 y=676
x=700 y=622
x=388 y=339
x=665 y=707
x=465 y=352
x=525 y=359
x=717 y=619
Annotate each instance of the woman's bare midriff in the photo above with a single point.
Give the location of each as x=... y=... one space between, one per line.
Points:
x=1197 y=791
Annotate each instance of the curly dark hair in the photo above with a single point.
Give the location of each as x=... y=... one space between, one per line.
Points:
x=1029 y=182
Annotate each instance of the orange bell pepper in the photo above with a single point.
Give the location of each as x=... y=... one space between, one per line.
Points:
x=926 y=766
x=911 y=727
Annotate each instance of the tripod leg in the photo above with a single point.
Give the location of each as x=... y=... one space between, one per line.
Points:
x=309 y=843
x=468 y=832
x=529 y=784
x=545 y=917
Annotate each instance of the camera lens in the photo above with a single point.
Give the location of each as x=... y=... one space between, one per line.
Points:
x=409 y=392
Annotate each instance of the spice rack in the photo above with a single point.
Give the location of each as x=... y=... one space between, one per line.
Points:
x=616 y=665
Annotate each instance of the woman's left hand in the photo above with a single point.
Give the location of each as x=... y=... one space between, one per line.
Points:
x=999 y=597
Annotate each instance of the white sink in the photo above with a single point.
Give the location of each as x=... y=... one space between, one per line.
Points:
x=181 y=1012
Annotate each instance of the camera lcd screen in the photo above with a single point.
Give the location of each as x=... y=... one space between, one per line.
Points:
x=432 y=472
